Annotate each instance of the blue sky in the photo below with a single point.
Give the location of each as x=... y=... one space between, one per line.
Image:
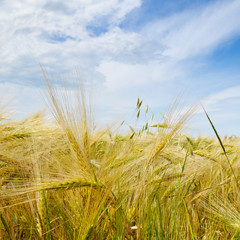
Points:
x=152 y=49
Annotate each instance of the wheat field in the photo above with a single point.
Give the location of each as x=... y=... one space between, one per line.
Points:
x=71 y=180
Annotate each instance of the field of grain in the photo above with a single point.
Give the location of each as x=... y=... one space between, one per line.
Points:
x=70 y=180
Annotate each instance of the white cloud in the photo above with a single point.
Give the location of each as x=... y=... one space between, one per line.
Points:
x=30 y=27
x=120 y=75
x=31 y=32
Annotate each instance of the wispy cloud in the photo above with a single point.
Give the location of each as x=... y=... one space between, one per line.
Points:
x=121 y=75
x=216 y=100
x=197 y=31
x=177 y=38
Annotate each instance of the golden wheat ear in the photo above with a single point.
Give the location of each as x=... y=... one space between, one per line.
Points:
x=75 y=118
x=164 y=136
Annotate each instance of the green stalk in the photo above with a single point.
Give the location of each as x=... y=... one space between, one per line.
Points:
x=223 y=148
